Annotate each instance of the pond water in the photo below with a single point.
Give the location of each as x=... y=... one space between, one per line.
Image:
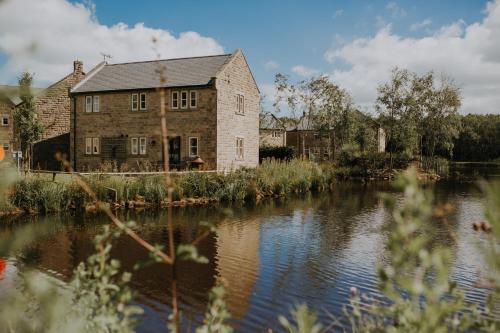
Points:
x=273 y=255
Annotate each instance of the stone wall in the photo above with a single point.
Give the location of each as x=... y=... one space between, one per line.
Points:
x=236 y=78
x=116 y=119
x=53 y=104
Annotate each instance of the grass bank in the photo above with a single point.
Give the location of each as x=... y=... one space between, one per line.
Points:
x=39 y=193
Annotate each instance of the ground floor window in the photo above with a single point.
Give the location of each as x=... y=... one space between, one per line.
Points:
x=138 y=146
x=239 y=148
x=193 y=146
x=6 y=146
x=92 y=146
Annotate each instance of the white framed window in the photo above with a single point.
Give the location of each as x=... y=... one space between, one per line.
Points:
x=135 y=102
x=96 y=147
x=142 y=146
x=142 y=101
x=134 y=146
x=240 y=104
x=88 y=146
x=96 y=104
x=6 y=147
x=193 y=146
x=193 y=99
x=184 y=99
x=88 y=103
x=5 y=120
x=240 y=148
x=175 y=99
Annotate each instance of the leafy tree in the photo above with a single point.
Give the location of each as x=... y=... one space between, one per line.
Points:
x=327 y=106
x=28 y=128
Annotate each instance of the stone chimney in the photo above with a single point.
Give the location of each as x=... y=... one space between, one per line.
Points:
x=78 y=67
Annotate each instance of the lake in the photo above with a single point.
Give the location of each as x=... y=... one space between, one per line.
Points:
x=273 y=255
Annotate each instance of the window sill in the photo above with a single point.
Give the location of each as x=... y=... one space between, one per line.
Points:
x=239 y=114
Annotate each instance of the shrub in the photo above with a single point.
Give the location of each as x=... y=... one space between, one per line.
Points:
x=279 y=153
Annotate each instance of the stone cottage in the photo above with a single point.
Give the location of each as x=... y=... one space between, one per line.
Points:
x=272 y=131
x=52 y=107
x=212 y=114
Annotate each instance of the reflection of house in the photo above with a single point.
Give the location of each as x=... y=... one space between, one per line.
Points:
x=272 y=131
x=239 y=242
x=212 y=106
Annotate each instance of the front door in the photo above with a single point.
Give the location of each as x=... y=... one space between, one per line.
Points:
x=174 y=152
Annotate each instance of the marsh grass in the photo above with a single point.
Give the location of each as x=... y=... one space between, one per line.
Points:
x=37 y=193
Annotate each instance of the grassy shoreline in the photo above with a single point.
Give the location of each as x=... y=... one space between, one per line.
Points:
x=40 y=194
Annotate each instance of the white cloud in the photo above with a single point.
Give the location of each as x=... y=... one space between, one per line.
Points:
x=304 y=71
x=468 y=53
x=45 y=36
x=421 y=25
x=271 y=65
x=395 y=10
x=338 y=13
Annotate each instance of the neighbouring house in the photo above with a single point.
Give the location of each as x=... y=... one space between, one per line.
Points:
x=7 y=107
x=272 y=131
x=307 y=141
x=52 y=107
x=212 y=114
x=9 y=100
x=311 y=143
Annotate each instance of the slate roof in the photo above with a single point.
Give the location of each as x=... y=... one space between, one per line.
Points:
x=180 y=72
x=269 y=121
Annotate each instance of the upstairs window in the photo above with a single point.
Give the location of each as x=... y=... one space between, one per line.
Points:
x=5 y=120
x=184 y=99
x=193 y=99
x=88 y=103
x=92 y=104
x=142 y=101
x=175 y=99
x=240 y=104
x=193 y=147
x=96 y=104
x=239 y=149
x=6 y=147
x=135 y=102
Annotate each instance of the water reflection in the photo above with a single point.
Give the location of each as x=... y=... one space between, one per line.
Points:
x=273 y=255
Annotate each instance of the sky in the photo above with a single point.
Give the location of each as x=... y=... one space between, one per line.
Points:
x=356 y=43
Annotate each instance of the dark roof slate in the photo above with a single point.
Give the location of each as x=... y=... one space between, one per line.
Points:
x=194 y=71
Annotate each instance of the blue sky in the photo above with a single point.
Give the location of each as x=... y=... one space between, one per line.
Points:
x=356 y=43
x=289 y=33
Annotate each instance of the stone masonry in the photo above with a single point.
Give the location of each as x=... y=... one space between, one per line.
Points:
x=214 y=122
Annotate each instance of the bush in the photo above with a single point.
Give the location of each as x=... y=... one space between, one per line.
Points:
x=279 y=153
